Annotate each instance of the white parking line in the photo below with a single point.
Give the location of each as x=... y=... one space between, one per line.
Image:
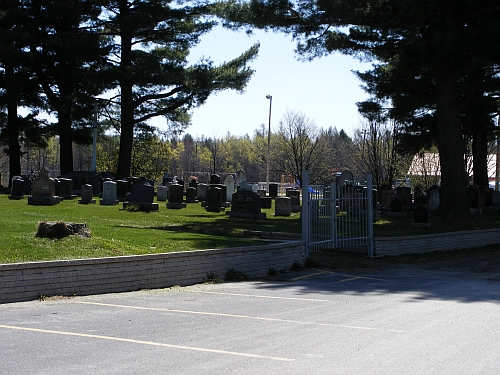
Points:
x=239 y=316
x=152 y=343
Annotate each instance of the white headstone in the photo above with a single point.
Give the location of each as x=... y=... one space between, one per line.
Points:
x=109 y=193
x=229 y=182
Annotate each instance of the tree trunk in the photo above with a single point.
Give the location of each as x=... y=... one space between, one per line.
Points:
x=65 y=140
x=453 y=202
x=480 y=158
x=127 y=102
x=12 y=127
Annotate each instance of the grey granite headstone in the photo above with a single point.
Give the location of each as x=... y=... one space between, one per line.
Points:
x=161 y=193
x=87 y=194
x=282 y=206
x=109 y=197
x=201 y=191
x=43 y=191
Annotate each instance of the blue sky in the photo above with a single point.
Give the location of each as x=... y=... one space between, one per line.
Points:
x=324 y=90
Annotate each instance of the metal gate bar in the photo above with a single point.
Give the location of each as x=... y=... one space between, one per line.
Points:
x=337 y=216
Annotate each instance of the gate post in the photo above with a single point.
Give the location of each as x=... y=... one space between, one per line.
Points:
x=370 y=214
x=306 y=234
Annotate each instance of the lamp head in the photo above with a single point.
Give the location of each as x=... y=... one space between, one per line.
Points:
x=269 y=97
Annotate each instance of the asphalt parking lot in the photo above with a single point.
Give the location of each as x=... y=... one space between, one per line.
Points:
x=316 y=322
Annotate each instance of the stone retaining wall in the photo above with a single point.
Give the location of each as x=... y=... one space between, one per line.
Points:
x=29 y=281
x=435 y=242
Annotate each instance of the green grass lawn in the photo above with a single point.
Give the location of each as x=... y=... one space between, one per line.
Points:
x=121 y=232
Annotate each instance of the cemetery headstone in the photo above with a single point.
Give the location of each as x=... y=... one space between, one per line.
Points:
x=229 y=182
x=282 y=206
x=109 y=197
x=240 y=178
x=246 y=204
x=181 y=182
x=121 y=190
x=193 y=182
x=191 y=195
x=273 y=189
x=176 y=197
x=17 y=191
x=87 y=194
x=67 y=188
x=201 y=191
x=215 y=179
x=404 y=193
x=261 y=192
x=396 y=208
x=161 y=193
x=294 y=195
x=131 y=180
x=266 y=202
x=420 y=199
x=43 y=192
x=166 y=179
x=57 y=186
x=142 y=196
x=421 y=216
x=214 y=199
x=433 y=198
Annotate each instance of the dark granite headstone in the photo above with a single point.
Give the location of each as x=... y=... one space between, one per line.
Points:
x=131 y=180
x=215 y=179
x=294 y=195
x=396 y=205
x=67 y=188
x=421 y=215
x=121 y=190
x=142 y=196
x=273 y=189
x=404 y=193
x=176 y=197
x=214 y=199
x=420 y=199
x=266 y=202
x=191 y=195
x=17 y=191
x=246 y=204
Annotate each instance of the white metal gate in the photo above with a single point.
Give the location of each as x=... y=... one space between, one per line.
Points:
x=336 y=217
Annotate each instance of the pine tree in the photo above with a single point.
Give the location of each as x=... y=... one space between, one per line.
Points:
x=151 y=70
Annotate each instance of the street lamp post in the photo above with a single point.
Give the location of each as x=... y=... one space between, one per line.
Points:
x=268 y=142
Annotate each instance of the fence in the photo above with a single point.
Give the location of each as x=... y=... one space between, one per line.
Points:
x=337 y=216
